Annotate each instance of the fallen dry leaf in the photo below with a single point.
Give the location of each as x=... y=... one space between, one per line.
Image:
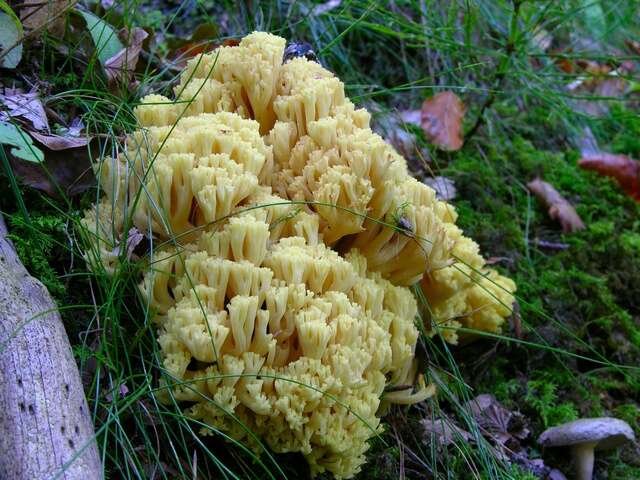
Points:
x=441 y=120
x=443 y=431
x=37 y=14
x=122 y=65
x=444 y=186
x=24 y=105
x=621 y=167
x=59 y=142
x=65 y=172
x=502 y=425
x=633 y=45
x=559 y=208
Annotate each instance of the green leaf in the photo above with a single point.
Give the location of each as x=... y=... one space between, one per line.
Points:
x=23 y=145
x=10 y=32
x=104 y=37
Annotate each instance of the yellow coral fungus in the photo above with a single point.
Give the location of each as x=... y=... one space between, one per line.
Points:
x=310 y=338
x=291 y=232
x=467 y=293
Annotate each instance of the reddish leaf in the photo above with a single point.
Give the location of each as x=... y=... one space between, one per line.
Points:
x=624 y=169
x=565 y=64
x=442 y=120
x=559 y=208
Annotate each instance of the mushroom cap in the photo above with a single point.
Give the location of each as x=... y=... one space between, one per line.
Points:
x=606 y=432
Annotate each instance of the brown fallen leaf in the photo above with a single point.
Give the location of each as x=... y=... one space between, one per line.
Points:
x=59 y=142
x=443 y=431
x=441 y=120
x=633 y=45
x=48 y=14
x=621 y=167
x=559 y=208
x=503 y=426
x=66 y=172
x=122 y=65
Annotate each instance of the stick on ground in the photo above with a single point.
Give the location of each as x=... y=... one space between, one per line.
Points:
x=46 y=430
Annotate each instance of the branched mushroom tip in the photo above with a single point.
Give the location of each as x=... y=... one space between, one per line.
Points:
x=586 y=435
x=282 y=295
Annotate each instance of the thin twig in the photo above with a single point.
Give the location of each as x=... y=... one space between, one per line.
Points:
x=501 y=71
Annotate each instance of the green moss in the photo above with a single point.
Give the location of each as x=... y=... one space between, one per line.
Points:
x=630 y=413
x=581 y=297
x=38 y=246
x=596 y=279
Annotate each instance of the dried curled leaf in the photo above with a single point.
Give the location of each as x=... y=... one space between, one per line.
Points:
x=121 y=65
x=559 y=208
x=502 y=425
x=37 y=14
x=624 y=169
x=444 y=187
x=26 y=106
x=441 y=118
x=443 y=431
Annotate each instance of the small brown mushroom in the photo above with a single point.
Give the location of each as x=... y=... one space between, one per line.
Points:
x=586 y=435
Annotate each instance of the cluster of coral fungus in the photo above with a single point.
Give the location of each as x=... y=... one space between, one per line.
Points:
x=289 y=235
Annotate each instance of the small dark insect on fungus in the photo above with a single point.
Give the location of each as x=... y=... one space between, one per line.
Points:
x=299 y=49
x=404 y=224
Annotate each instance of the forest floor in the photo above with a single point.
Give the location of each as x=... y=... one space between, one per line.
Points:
x=544 y=85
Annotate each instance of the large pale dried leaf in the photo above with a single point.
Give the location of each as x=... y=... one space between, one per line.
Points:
x=559 y=208
x=122 y=64
x=621 y=167
x=24 y=105
x=442 y=120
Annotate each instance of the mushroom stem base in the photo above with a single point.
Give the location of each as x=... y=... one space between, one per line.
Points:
x=583 y=459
